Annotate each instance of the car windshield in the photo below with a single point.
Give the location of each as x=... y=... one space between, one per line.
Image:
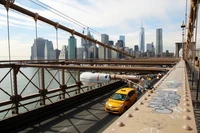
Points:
x=118 y=96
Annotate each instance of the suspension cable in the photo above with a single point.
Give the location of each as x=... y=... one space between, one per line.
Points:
x=36 y=36
x=64 y=16
x=8 y=28
x=186 y=16
x=57 y=48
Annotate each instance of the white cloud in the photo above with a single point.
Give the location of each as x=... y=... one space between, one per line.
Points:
x=113 y=17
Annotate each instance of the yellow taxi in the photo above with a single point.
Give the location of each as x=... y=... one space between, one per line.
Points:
x=121 y=100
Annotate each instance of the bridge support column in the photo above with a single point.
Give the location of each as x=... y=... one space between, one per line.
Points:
x=15 y=98
x=63 y=86
x=78 y=83
x=43 y=91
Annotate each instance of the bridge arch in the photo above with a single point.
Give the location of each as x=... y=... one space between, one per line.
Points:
x=180 y=46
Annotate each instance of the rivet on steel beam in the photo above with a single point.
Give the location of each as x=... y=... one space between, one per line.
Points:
x=145 y=98
x=185 y=99
x=120 y=124
x=151 y=91
x=141 y=103
x=186 y=117
x=186 y=104
x=186 y=127
x=185 y=95
x=135 y=108
x=186 y=110
x=129 y=115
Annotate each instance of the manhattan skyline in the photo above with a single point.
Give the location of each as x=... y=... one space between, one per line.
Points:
x=98 y=16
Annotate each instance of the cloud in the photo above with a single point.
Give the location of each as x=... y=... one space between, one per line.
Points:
x=112 y=17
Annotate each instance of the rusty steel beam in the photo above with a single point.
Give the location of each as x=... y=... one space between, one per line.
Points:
x=123 y=63
x=116 y=76
x=57 y=25
x=99 y=68
x=4 y=62
x=191 y=24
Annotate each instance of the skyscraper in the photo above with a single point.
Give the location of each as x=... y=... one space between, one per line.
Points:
x=37 y=50
x=48 y=49
x=63 y=53
x=136 y=48
x=159 y=42
x=142 y=39
x=123 y=39
x=110 y=43
x=72 y=48
x=102 y=50
x=149 y=47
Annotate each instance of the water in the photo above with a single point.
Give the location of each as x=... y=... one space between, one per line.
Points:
x=25 y=88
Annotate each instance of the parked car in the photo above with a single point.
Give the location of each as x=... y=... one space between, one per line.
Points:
x=121 y=100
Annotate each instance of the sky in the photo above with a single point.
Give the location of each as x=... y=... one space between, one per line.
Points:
x=112 y=17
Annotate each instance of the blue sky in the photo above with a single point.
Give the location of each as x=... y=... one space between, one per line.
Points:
x=112 y=17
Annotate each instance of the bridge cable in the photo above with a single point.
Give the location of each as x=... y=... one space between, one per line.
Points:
x=57 y=50
x=36 y=37
x=64 y=16
x=8 y=28
x=186 y=17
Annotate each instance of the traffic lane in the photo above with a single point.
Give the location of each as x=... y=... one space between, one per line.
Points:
x=87 y=117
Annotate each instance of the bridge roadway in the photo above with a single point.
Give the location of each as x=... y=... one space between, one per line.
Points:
x=89 y=117
x=165 y=109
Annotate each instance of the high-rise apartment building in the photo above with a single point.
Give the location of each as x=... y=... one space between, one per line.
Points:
x=72 y=48
x=142 y=39
x=159 y=42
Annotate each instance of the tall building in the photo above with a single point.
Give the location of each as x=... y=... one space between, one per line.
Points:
x=92 y=52
x=150 y=50
x=149 y=47
x=119 y=45
x=136 y=48
x=142 y=39
x=80 y=53
x=86 y=44
x=114 y=54
x=72 y=48
x=159 y=42
x=63 y=53
x=102 y=50
x=123 y=39
x=55 y=54
x=110 y=43
x=37 y=50
x=47 y=50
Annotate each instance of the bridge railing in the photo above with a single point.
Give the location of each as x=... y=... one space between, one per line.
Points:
x=26 y=88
